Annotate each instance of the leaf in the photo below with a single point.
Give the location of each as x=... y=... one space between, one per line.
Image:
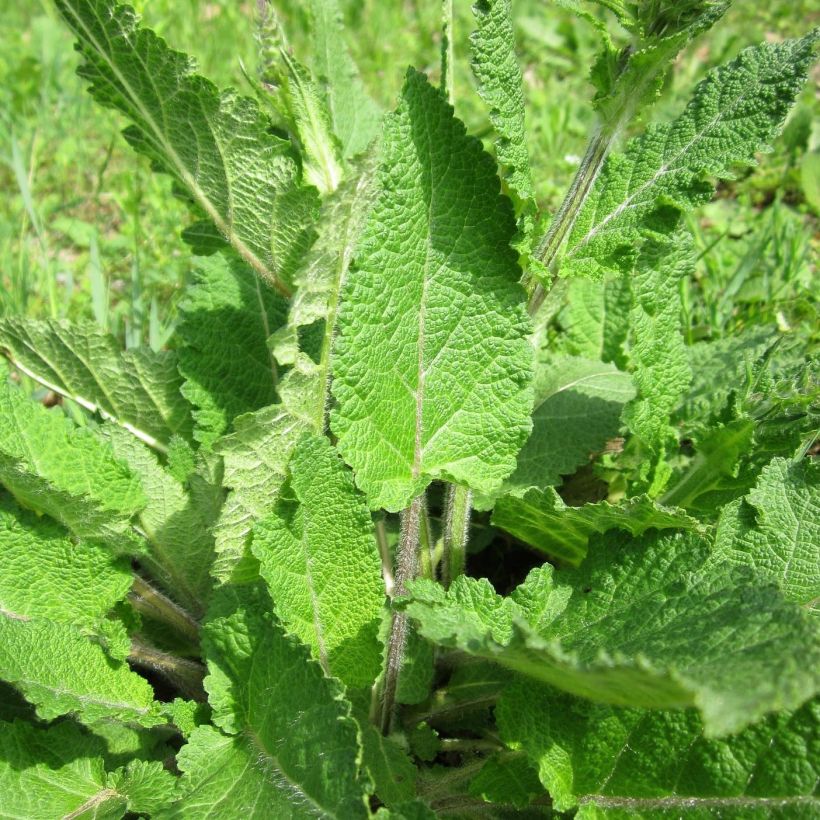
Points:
x=542 y=520
x=390 y=767
x=432 y=362
x=776 y=530
x=256 y=457
x=289 y=717
x=356 y=118
x=506 y=778
x=54 y=772
x=45 y=574
x=735 y=112
x=136 y=389
x=630 y=762
x=226 y=319
x=175 y=522
x=640 y=625
x=496 y=68
x=578 y=405
x=217 y=145
x=67 y=472
x=318 y=554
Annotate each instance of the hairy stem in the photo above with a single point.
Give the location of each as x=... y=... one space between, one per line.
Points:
x=185 y=675
x=427 y=545
x=447 y=50
x=406 y=568
x=149 y=601
x=458 y=506
x=386 y=558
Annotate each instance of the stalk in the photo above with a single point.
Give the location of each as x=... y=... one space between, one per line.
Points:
x=458 y=506
x=185 y=675
x=149 y=601
x=406 y=567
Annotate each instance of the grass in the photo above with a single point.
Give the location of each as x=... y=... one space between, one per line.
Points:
x=87 y=230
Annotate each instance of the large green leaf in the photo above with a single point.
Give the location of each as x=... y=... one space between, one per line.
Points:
x=639 y=624
x=318 y=554
x=431 y=365
x=65 y=471
x=735 y=111
x=614 y=762
x=776 y=529
x=542 y=520
x=226 y=319
x=137 y=389
x=292 y=728
x=218 y=146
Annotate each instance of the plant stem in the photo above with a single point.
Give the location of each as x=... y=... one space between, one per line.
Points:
x=149 y=601
x=458 y=506
x=185 y=675
x=427 y=545
x=386 y=558
x=447 y=50
x=406 y=567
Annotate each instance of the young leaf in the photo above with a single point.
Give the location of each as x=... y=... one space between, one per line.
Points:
x=136 y=389
x=734 y=113
x=507 y=778
x=639 y=625
x=578 y=405
x=390 y=767
x=356 y=118
x=613 y=761
x=216 y=145
x=776 y=529
x=227 y=317
x=45 y=574
x=542 y=520
x=318 y=554
x=290 y=719
x=500 y=85
x=432 y=362
x=67 y=472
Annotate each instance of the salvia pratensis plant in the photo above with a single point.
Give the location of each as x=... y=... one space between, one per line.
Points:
x=428 y=509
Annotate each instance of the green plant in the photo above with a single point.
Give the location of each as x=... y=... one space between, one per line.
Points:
x=233 y=572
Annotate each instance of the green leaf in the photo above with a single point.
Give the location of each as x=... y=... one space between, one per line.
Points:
x=507 y=778
x=67 y=472
x=256 y=457
x=227 y=317
x=175 y=522
x=630 y=762
x=542 y=520
x=776 y=529
x=318 y=554
x=639 y=624
x=735 y=112
x=578 y=405
x=356 y=118
x=45 y=574
x=500 y=83
x=431 y=364
x=136 y=389
x=62 y=671
x=290 y=718
x=54 y=772
x=217 y=145
x=389 y=766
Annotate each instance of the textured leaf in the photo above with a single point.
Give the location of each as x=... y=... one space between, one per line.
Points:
x=776 y=529
x=218 y=146
x=636 y=763
x=390 y=767
x=137 y=389
x=175 y=522
x=61 y=671
x=226 y=320
x=541 y=519
x=356 y=118
x=736 y=110
x=318 y=554
x=256 y=459
x=432 y=362
x=507 y=778
x=290 y=717
x=500 y=85
x=639 y=625
x=67 y=472
x=578 y=405
x=45 y=574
